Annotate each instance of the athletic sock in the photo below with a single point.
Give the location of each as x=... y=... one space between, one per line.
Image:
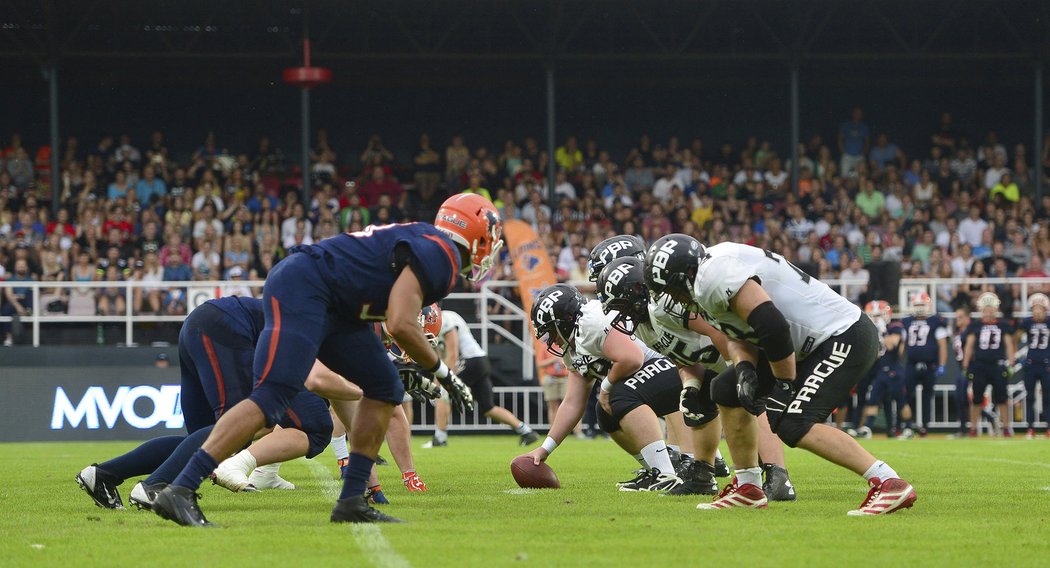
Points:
x=718 y=455
x=752 y=475
x=440 y=435
x=879 y=470
x=243 y=461
x=869 y=422
x=522 y=429
x=177 y=460
x=199 y=467
x=143 y=459
x=357 y=472
x=655 y=454
x=339 y=447
x=641 y=461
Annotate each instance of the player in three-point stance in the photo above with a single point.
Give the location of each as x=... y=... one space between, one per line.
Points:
x=319 y=302
x=797 y=346
x=638 y=385
x=988 y=357
x=1037 y=362
x=926 y=338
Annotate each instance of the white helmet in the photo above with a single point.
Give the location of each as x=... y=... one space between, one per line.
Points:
x=1039 y=299
x=879 y=311
x=987 y=300
x=921 y=304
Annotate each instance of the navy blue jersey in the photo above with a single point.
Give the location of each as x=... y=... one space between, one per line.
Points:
x=921 y=337
x=891 y=357
x=360 y=268
x=246 y=317
x=990 y=340
x=1038 y=333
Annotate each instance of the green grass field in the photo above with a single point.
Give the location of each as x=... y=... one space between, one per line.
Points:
x=983 y=502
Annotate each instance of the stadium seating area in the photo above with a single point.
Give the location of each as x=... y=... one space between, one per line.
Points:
x=965 y=205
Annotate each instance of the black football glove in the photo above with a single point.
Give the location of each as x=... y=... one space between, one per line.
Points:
x=746 y=387
x=459 y=395
x=420 y=388
x=689 y=403
x=777 y=402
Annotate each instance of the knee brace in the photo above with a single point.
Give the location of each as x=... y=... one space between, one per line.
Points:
x=793 y=428
x=723 y=389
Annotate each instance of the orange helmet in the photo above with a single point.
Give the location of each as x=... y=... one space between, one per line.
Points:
x=474 y=224
x=429 y=321
x=879 y=310
x=921 y=304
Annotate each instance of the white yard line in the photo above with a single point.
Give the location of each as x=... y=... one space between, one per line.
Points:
x=369 y=538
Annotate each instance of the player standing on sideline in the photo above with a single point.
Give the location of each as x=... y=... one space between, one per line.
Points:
x=1037 y=362
x=887 y=383
x=216 y=347
x=319 y=302
x=463 y=353
x=797 y=345
x=988 y=357
x=926 y=337
x=962 y=383
x=638 y=385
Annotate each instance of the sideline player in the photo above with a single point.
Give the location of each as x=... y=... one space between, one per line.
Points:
x=926 y=337
x=638 y=385
x=962 y=383
x=988 y=357
x=797 y=345
x=1037 y=361
x=319 y=301
x=463 y=353
x=886 y=386
x=216 y=346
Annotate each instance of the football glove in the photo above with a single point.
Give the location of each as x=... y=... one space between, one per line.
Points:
x=940 y=371
x=459 y=395
x=689 y=403
x=746 y=386
x=777 y=402
x=420 y=388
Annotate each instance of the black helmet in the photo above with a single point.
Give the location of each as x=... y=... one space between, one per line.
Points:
x=670 y=269
x=611 y=249
x=554 y=315
x=621 y=287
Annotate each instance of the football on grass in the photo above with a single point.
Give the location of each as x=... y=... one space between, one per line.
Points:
x=530 y=475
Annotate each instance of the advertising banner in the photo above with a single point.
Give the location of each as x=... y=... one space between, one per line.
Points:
x=534 y=271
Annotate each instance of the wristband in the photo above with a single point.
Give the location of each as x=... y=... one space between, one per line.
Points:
x=692 y=383
x=606 y=385
x=440 y=370
x=549 y=444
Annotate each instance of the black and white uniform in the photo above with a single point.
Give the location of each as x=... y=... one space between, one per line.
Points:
x=672 y=338
x=655 y=385
x=476 y=371
x=834 y=346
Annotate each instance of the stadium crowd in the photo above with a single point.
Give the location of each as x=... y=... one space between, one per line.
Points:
x=959 y=206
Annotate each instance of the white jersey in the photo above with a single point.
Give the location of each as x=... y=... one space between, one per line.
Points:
x=468 y=346
x=587 y=354
x=668 y=336
x=813 y=311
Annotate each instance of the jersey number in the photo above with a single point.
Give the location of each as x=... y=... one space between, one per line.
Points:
x=367 y=231
x=777 y=259
x=990 y=338
x=918 y=332
x=1038 y=338
x=367 y=314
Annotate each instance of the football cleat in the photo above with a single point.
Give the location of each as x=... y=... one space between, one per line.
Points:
x=923 y=432
x=142 y=495
x=698 y=478
x=179 y=504
x=747 y=496
x=357 y=510
x=435 y=443
x=101 y=486
x=1030 y=435
x=528 y=439
x=886 y=497
x=381 y=461
x=777 y=486
x=721 y=468
x=375 y=496
x=412 y=482
x=653 y=480
x=638 y=475
x=906 y=434
x=675 y=456
x=262 y=479
x=229 y=476
x=864 y=433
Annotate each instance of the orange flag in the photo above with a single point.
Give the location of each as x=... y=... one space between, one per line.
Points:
x=533 y=270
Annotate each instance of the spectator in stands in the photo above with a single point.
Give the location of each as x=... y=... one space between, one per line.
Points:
x=149 y=186
x=535 y=211
x=638 y=177
x=1006 y=189
x=854 y=141
x=870 y=200
x=457 y=157
x=972 y=228
x=428 y=167
x=568 y=157
x=205 y=263
x=379 y=184
x=18 y=299
x=474 y=186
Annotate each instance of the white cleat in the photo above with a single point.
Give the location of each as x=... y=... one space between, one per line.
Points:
x=232 y=473
x=262 y=479
x=863 y=433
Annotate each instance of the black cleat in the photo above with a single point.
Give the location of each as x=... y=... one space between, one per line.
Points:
x=721 y=468
x=529 y=439
x=676 y=457
x=778 y=485
x=179 y=504
x=639 y=474
x=357 y=510
x=142 y=496
x=698 y=478
x=653 y=480
x=381 y=461
x=101 y=486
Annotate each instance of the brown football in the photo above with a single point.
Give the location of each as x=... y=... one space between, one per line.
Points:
x=528 y=474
